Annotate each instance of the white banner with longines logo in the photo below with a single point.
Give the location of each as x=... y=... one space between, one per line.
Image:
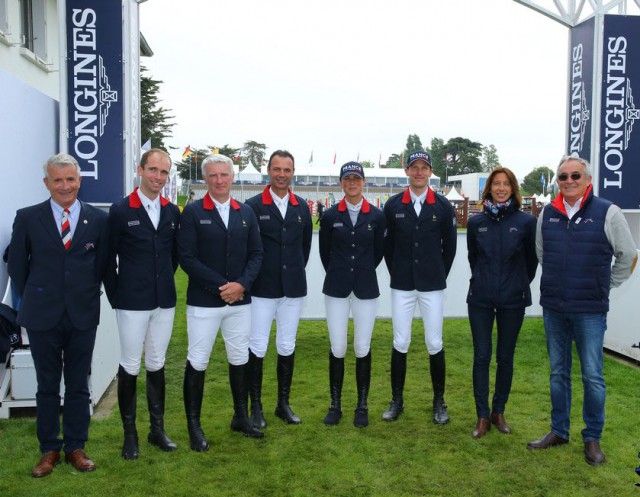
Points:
x=94 y=124
x=619 y=178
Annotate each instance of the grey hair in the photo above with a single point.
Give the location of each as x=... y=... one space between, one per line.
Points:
x=216 y=159
x=59 y=161
x=574 y=156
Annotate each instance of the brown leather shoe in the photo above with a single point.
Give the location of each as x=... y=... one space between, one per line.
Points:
x=549 y=440
x=592 y=453
x=482 y=427
x=497 y=418
x=46 y=464
x=80 y=460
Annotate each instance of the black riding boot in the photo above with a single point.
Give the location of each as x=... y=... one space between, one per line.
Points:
x=239 y=383
x=363 y=380
x=336 y=377
x=285 y=375
x=127 y=404
x=398 y=374
x=436 y=363
x=155 y=401
x=255 y=390
x=193 y=390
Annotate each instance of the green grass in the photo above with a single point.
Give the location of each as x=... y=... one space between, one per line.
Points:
x=409 y=457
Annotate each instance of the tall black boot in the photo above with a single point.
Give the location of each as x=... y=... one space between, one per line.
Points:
x=363 y=380
x=193 y=390
x=127 y=404
x=255 y=390
x=436 y=363
x=155 y=402
x=336 y=377
x=238 y=379
x=285 y=375
x=398 y=374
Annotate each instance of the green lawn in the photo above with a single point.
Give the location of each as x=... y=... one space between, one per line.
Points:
x=407 y=458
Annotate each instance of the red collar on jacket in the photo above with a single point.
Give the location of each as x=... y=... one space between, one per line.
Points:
x=366 y=207
x=208 y=205
x=267 y=199
x=431 y=196
x=558 y=202
x=136 y=203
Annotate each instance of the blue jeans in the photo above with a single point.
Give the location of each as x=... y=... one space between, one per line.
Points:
x=587 y=330
x=509 y=322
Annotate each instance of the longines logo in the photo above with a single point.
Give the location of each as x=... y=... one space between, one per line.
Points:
x=580 y=113
x=619 y=111
x=90 y=95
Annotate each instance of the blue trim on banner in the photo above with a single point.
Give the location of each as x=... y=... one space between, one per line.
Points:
x=95 y=96
x=619 y=178
x=580 y=89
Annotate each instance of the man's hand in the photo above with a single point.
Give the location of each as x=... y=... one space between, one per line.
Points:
x=231 y=292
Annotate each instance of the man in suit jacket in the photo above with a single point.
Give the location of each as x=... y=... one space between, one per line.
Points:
x=220 y=250
x=57 y=259
x=143 y=257
x=278 y=292
x=419 y=250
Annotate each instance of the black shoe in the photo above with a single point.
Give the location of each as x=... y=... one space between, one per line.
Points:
x=285 y=376
x=336 y=377
x=592 y=453
x=549 y=440
x=127 y=404
x=363 y=380
x=155 y=401
x=193 y=391
x=238 y=380
x=255 y=367
x=437 y=369
x=398 y=374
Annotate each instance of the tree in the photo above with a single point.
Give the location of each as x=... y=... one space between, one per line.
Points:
x=189 y=167
x=490 y=158
x=394 y=161
x=155 y=120
x=463 y=156
x=533 y=181
x=413 y=145
x=252 y=152
x=438 y=153
x=367 y=163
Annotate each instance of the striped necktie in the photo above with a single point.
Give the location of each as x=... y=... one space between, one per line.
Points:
x=66 y=229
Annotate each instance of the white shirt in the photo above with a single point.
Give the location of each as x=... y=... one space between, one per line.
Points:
x=353 y=210
x=571 y=211
x=74 y=215
x=152 y=207
x=281 y=203
x=223 y=210
x=418 y=200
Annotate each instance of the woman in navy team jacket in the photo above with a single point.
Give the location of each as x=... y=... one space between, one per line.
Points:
x=351 y=247
x=501 y=242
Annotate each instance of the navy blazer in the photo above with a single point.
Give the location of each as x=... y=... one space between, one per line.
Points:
x=286 y=244
x=213 y=255
x=419 y=251
x=51 y=280
x=350 y=254
x=142 y=259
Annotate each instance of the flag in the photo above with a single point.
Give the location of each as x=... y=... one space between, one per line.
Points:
x=358 y=159
x=402 y=160
x=187 y=152
x=311 y=158
x=334 y=158
x=379 y=159
x=543 y=181
x=216 y=150
x=147 y=145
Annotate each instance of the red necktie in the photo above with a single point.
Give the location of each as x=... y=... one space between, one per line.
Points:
x=66 y=229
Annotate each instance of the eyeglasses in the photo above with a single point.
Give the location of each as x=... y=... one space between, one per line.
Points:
x=574 y=176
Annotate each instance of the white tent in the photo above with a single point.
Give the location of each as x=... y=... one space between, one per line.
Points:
x=454 y=195
x=250 y=174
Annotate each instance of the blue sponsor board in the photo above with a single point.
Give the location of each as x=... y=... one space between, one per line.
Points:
x=619 y=166
x=95 y=98
x=580 y=89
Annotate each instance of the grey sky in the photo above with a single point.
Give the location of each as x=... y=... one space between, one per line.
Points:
x=356 y=77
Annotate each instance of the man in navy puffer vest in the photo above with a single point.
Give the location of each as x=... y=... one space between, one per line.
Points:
x=579 y=234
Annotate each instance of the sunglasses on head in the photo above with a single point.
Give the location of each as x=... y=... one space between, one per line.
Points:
x=574 y=176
